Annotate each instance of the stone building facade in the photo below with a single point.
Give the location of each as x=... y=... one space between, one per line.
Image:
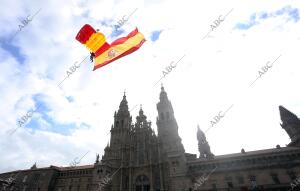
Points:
x=136 y=159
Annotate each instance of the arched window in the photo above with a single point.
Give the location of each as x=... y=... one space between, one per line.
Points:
x=142 y=183
x=162 y=116
x=168 y=115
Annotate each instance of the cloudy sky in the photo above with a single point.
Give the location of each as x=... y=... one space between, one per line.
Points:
x=222 y=48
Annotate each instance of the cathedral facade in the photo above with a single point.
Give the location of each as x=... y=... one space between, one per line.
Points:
x=136 y=159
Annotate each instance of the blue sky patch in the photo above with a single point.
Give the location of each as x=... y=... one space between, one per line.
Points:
x=107 y=22
x=42 y=110
x=64 y=129
x=13 y=50
x=116 y=33
x=70 y=99
x=264 y=16
x=155 y=35
x=293 y=14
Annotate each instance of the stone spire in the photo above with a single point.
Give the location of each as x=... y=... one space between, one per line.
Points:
x=203 y=145
x=164 y=107
x=97 y=159
x=123 y=105
x=141 y=118
x=122 y=117
x=287 y=116
x=291 y=124
x=33 y=166
x=163 y=94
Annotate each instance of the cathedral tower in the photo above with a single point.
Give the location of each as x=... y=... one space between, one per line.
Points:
x=291 y=124
x=171 y=146
x=120 y=135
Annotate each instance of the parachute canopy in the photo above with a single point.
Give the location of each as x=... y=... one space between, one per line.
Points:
x=105 y=53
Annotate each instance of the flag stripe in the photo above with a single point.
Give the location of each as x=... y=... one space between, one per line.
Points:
x=124 y=39
x=102 y=49
x=120 y=56
x=120 y=49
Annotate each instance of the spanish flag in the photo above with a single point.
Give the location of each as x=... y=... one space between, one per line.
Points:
x=105 y=53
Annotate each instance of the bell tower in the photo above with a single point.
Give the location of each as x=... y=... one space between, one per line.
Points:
x=167 y=128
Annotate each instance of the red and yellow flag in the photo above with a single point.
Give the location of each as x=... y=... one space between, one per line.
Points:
x=105 y=53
